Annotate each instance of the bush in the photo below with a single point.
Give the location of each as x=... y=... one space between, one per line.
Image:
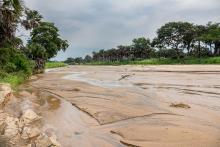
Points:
x=3 y=74
x=12 y=60
x=14 y=66
x=10 y=67
x=203 y=52
x=23 y=64
x=14 y=79
x=168 y=53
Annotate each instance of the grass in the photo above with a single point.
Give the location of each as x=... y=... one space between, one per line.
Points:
x=17 y=78
x=55 y=64
x=162 y=61
x=14 y=79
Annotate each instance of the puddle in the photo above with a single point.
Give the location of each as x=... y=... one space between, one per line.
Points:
x=80 y=76
x=48 y=101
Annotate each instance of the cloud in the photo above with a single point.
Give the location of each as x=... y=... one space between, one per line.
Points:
x=198 y=4
x=90 y=25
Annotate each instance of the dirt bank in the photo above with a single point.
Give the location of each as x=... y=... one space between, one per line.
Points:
x=131 y=105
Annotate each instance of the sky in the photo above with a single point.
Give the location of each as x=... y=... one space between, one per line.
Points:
x=91 y=25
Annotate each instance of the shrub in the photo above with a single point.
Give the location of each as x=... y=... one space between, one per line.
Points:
x=10 y=67
x=168 y=53
x=3 y=74
x=12 y=60
x=14 y=66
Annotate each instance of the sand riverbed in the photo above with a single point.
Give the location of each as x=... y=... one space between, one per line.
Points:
x=113 y=106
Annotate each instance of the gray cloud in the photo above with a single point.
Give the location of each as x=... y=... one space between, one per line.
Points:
x=90 y=25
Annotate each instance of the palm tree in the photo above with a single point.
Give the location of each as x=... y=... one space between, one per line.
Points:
x=10 y=13
x=33 y=19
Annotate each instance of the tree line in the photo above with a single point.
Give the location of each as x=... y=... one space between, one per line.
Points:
x=44 y=41
x=174 y=40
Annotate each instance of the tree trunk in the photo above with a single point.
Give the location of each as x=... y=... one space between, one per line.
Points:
x=177 y=52
x=39 y=65
x=188 y=48
x=217 y=49
x=199 y=50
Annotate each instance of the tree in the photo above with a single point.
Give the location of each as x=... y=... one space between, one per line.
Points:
x=189 y=35
x=88 y=58
x=212 y=36
x=174 y=40
x=78 y=60
x=10 y=13
x=142 y=47
x=69 y=60
x=174 y=35
x=200 y=30
x=32 y=19
x=44 y=44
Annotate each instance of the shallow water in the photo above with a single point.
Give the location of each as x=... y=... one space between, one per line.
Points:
x=81 y=76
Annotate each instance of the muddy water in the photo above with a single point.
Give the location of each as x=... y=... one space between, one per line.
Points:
x=126 y=105
x=83 y=77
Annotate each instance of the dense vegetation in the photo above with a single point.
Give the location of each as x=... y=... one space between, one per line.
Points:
x=175 y=43
x=159 y=61
x=19 y=61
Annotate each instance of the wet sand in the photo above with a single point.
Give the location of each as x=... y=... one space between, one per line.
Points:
x=113 y=106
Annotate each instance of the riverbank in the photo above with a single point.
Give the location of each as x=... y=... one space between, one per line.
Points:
x=166 y=105
x=17 y=78
x=14 y=79
x=95 y=106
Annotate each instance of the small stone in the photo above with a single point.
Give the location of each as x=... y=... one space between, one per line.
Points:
x=5 y=87
x=33 y=78
x=29 y=116
x=45 y=141
x=180 y=105
x=29 y=133
x=11 y=128
x=3 y=117
x=29 y=145
x=5 y=92
x=25 y=94
x=2 y=127
x=54 y=141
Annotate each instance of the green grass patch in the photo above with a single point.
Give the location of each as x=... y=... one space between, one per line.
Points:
x=161 y=61
x=14 y=79
x=55 y=64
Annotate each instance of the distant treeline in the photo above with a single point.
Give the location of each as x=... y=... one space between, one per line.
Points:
x=175 y=40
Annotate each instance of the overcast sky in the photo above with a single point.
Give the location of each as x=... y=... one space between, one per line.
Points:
x=90 y=25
